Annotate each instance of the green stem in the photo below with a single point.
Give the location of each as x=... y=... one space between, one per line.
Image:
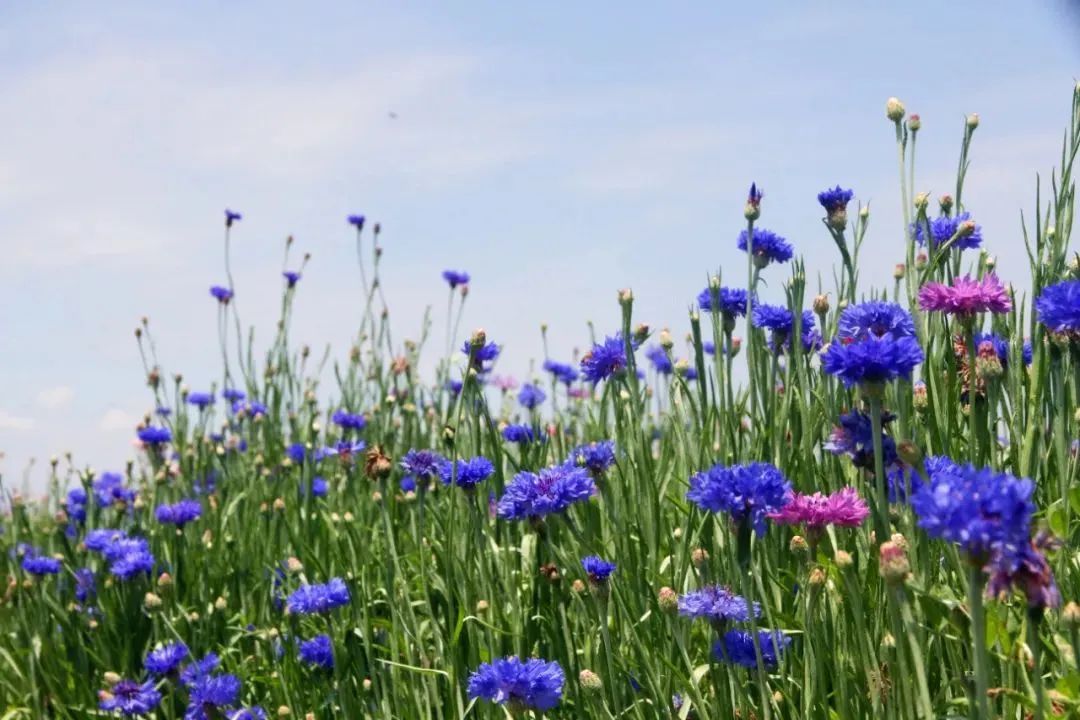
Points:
x=978 y=636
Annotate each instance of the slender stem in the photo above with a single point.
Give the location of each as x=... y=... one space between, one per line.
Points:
x=1034 y=619
x=881 y=507
x=978 y=636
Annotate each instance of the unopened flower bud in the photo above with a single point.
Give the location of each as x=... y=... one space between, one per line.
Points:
x=1070 y=616
x=590 y=681
x=111 y=678
x=221 y=603
x=914 y=122
x=888 y=641
x=798 y=544
x=965 y=229
x=922 y=201
x=665 y=339
x=899 y=271
x=843 y=559
x=641 y=333
x=973 y=121
x=151 y=602
x=893 y=563
x=894 y=109
x=668 y=600
x=626 y=296
x=821 y=304
x=578 y=586
x=284 y=711
x=481 y=607
x=699 y=556
x=945 y=202
x=817 y=578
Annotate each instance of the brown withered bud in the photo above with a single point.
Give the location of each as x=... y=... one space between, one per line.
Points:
x=377 y=464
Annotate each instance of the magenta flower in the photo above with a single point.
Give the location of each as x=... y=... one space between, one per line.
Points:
x=504 y=382
x=844 y=508
x=966 y=297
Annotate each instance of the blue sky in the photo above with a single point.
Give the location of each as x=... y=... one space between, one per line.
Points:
x=557 y=154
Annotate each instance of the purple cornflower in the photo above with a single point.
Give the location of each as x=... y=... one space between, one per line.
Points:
x=166 y=659
x=768 y=247
x=407 y=484
x=199 y=670
x=129 y=557
x=904 y=481
x=854 y=437
x=1058 y=307
x=423 y=464
x=980 y=510
x=154 y=436
x=748 y=493
x=318 y=651
x=844 y=508
x=467 y=473
x=518 y=434
x=455 y=278
x=201 y=400
x=231 y=216
x=716 y=604
x=604 y=359
x=1027 y=570
x=534 y=684
x=179 y=513
x=356 y=221
x=737 y=648
x=75 y=505
x=966 y=297
x=732 y=302
x=552 y=490
x=531 y=396
x=318 y=599
x=85 y=584
x=598 y=570
x=943 y=228
x=753 y=198
x=223 y=294
x=291 y=277
x=348 y=421
x=109 y=490
x=233 y=395
x=660 y=361
x=562 y=372
x=129 y=698
x=211 y=695
x=874 y=319
x=596 y=457
x=36 y=564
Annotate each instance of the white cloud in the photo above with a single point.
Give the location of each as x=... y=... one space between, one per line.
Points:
x=10 y=421
x=116 y=419
x=55 y=398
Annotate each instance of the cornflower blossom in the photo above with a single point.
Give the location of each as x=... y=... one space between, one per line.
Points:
x=552 y=490
x=748 y=493
x=534 y=684
x=605 y=359
x=966 y=297
x=129 y=698
x=318 y=599
x=843 y=508
x=737 y=647
x=768 y=247
x=717 y=604
x=943 y=228
x=598 y=570
x=1058 y=308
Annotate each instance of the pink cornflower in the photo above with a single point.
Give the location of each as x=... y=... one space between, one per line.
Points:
x=504 y=382
x=844 y=508
x=966 y=297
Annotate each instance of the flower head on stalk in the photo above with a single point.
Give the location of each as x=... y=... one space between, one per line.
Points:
x=605 y=359
x=745 y=492
x=154 y=437
x=348 y=421
x=1058 y=308
x=843 y=508
x=166 y=659
x=854 y=437
x=596 y=457
x=660 y=361
x=423 y=464
x=904 y=480
x=598 y=570
x=717 y=604
x=943 y=228
x=552 y=490
x=519 y=434
x=872 y=362
x=875 y=320
x=467 y=473
x=1026 y=569
x=222 y=294
x=291 y=277
x=129 y=698
x=768 y=246
x=737 y=647
x=357 y=221
x=835 y=202
x=455 y=278
x=534 y=684
x=531 y=396
x=562 y=372
x=231 y=216
x=318 y=651
x=966 y=297
x=318 y=599
x=179 y=513
x=210 y=695
x=732 y=301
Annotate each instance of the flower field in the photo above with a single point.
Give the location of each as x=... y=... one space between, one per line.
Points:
x=861 y=502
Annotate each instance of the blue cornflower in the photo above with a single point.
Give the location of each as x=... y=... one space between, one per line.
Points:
x=248 y=713
x=75 y=505
x=737 y=648
x=660 y=360
x=753 y=198
x=296 y=452
x=944 y=227
x=231 y=216
x=101 y=539
x=36 y=564
x=773 y=317
x=536 y=684
x=854 y=437
x=201 y=400
x=518 y=434
x=291 y=277
x=318 y=599
x=319 y=486
x=179 y=513
x=85 y=584
x=455 y=278
x=454 y=386
x=1027 y=352
x=233 y=395
x=251 y=409
x=746 y=492
x=999 y=344
x=596 y=457
x=109 y=490
x=552 y=490
x=716 y=604
x=1058 y=307
x=732 y=301
x=199 y=670
x=407 y=484
x=210 y=695
x=874 y=320
x=482 y=354
x=768 y=247
x=166 y=659
x=130 y=698
x=129 y=557
x=604 y=359
x=980 y=510
x=562 y=372
x=835 y=199
x=467 y=473
x=344 y=450
x=598 y=570
x=154 y=436
x=905 y=481
x=356 y=221
x=872 y=360
x=531 y=396
x=811 y=338
x=690 y=373
x=223 y=294
x=348 y=421
x=318 y=651
x=163 y=411
x=423 y=464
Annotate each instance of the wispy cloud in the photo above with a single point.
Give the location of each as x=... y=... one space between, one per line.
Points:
x=11 y=421
x=116 y=419
x=55 y=398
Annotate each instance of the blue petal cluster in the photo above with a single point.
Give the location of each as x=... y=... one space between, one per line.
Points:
x=659 y=359
x=563 y=372
x=109 y=490
x=748 y=493
x=210 y=695
x=318 y=651
x=423 y=464
x=455 y=278
x=875 y=320
x=597 y=569
x=166 y=659
x=201 y=400
x=1058 y=307
x=130 y=698
x=535 y=684
x=518 y=434
x=552 y=490
x=180 y=513
x=835 y=199
x=348 y=421
x=768 y=246
x=36 y=564
x=318 y=599
x=605 y=359
x=716 y=604
x=873 y=360
x=467 y=473
x=154 y=436
x=531 y=396
x=732 y=301
x=737 y=648
x=854 y=437
x=944 y=227
x=596 y=457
